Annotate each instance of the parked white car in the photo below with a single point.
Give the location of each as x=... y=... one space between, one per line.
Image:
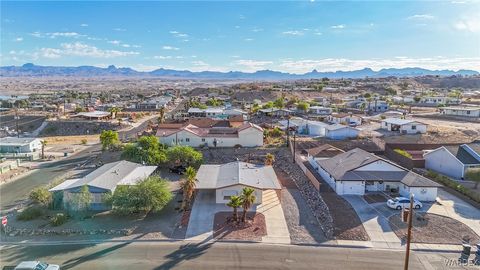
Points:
x=402 y=202
x=36 y=265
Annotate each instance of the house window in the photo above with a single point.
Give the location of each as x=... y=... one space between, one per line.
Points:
x=187 y=139
x=226 y=198
x=414 y=127
x=203 y=139
x=468 y=112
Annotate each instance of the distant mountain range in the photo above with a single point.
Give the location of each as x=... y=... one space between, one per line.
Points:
x=31 y=70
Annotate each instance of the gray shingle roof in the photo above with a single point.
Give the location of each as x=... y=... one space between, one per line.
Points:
x=342 y=163
x=237 y=173
x=412 y=179
x=463 y=155
x=110 y=175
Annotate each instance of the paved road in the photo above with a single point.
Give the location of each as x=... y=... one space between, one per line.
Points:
x=179 y=255
x=15 y=192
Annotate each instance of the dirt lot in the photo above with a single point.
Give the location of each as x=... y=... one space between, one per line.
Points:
x=434 y=229
x=227 y=229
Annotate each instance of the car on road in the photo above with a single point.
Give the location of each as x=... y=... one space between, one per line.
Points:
x=178 y=169
x=402 y=202
x=36 y=265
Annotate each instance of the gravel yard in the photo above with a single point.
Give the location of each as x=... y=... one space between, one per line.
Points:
x=225 y=228
x=434 y=229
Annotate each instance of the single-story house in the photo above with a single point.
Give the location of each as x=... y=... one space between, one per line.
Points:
x=403 y=126
x=212 y=112
x=345 y=118
x=230 y=178
x=453 y=161
x=465 y=111
x=20 y=145
x=341 y=132
x=103 y=181
x=97 y=115
x=359 y=172
x=319 y=110
x=246 y=135
x=275 y=112
x=305 y=126
x=323 y=151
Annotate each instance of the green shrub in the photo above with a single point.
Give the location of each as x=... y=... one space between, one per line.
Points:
x=58 y=219
x=41 y=196
x=83 y=141
x=30 y=213
x=446 y=181
x=403 y=153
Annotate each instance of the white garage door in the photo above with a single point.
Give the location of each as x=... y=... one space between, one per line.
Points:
x=353 y=188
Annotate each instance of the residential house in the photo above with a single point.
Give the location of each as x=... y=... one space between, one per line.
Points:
x=438 y=100
x=341 y=132
x=323 y=151
x=465 y=111
x=359 y=172
x=403 y=126
x=245 y=135
x=345 y=118
x=453 y=161
x=229 y=179
x=13 y=146
x=276 y=112
x=103 y=181
x=94 y=115
x=320 y=129
x=153 y=104
x=212 y=112
x=320 y=110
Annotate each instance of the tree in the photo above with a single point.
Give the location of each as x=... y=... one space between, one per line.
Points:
x=214 y=102
x=303 y=106
x=44 y=143
x=188 y=186
x=235 y=202
x=279 y=103
x=150 y=195
x=161 y=118
x=41 y=196
x=268 y=105
x=269 y=159
x=184 y=155
x=113 y=111
x=147 y=150
x=80 y=202
x=248 y=198
x=367 y=95
x=473 y=175
x=109 y=138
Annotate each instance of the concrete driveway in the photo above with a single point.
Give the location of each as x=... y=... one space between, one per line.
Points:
x=375 y=216
x=200 y=225
x=375 y=222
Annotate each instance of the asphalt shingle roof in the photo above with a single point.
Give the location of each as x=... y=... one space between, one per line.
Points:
x=237 y=173
x=342 y=163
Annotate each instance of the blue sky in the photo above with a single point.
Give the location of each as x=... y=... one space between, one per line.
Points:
x=222 y=35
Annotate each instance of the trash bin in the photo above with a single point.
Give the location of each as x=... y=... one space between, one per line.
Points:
x=405 y=213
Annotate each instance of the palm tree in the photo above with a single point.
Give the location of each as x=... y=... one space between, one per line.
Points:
x=113 y=111
x=269 y=159
x=235 y=202
x=188 y=186
x=161 y=118
x=248 y=198
x=44 y=143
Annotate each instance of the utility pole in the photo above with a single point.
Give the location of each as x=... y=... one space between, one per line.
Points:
x=294 y=144
x=409 y=232
x=288 y=131
x=16 y=123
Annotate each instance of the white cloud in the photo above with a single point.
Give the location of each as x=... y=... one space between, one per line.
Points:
x=248 y=39
x=114 y=42
x=83 y=25
x=256 y=29
x=162 y=57
x=178 y=34
x=199 y=63
x=421 y=17
x=170 y=48
x=119 y=29
x=251 y=65
x=469 y=24
x=293 y=33
x=57 y=35
x=83 y=50
x=19 y=39
x=334 y=64
x=338 y=26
